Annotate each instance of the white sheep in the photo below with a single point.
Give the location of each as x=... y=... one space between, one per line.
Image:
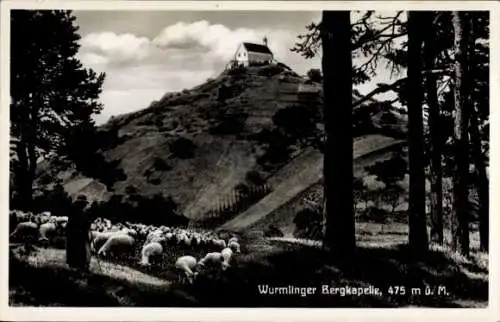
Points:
x=235 y=246
x=117 y=243
x=226 y=253
x=220 y=243
x=99 y=238
x=154 y=235
x=45 y=230
x=185 y=266
x=148 y=250
x=26 y=229
x=186 y=240
x=211 y=260
x=232 y=239
x=43 y=218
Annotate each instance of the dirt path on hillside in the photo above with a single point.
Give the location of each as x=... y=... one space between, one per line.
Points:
x=311 y=173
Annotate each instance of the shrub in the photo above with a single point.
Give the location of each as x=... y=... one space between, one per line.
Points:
x=298 y=121
x=155 y=210
x=161 y=165
x=56 y=200
x=253 y=177
x=155 y=181
x=314 y=75
x=131 y=190
x=308 y=224
x=237 y=71
x=270 y=70
x=182 y=148
x=241 y=188
x=229 y=124
x=273 y=231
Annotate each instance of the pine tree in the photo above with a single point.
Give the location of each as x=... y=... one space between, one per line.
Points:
x=51 y=92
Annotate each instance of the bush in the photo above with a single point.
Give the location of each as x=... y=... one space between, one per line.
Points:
x=57 y=201
x=315 y=75
x=229 y=124
x=155 y=210
x=161 y=165
x=298 y=121
x=308 y=224
x=270 y=70
x=273 y=231
x=237 y=71
x=253 y=177
x=241 y=188
x=131 y=190
x=155 y=181
x=182 y=148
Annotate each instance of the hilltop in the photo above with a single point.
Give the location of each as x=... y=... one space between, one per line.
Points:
x=200 y=144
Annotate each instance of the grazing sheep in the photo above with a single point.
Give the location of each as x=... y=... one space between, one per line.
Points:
x=43 y=218
x=119 y=243
x=153 y=235
x=226 y=256
x=185 y=266
x=232 y=239
x=219 y=243
x=149 y=250
x=235 y=246
x=186 y=240
x=99 y=238
x=213 y=259
x=27 y=230
x=47 y=230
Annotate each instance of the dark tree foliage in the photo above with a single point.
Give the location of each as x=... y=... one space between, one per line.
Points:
x=51 y=92
x=314 y=75
x=297 y=121
x=155 y=210
x=182 y=148
x=308 y=224
x=390 y=171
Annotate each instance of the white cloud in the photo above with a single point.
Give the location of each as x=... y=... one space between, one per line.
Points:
x=115 y=48
x=217 y=41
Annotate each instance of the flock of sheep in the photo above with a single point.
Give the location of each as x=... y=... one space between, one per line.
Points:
x=122 y=239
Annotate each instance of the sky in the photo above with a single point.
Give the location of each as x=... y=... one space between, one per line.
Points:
x=146 y=54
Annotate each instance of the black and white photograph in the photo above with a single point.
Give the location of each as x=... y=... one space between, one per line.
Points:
x=251 y=158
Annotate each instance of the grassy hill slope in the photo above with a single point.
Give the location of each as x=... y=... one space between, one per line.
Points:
x=198 y=145
x=311 y=173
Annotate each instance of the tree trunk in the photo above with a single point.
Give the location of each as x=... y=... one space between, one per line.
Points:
x=482 y=183
x=24 y=178
x=460 y=212
x=436 y=136
x=339 y=236
x=418 y=239
x=479 y=156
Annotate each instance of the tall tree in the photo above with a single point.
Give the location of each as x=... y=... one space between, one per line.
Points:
x=50 y=90
x=460 y=211
x=436 y=137
x=338 y=157
x=417 y=220
x=477 y=152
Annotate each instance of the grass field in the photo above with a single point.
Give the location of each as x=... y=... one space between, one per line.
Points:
x=382 y=261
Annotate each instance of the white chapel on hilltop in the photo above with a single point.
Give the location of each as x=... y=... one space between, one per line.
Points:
x=250 y=54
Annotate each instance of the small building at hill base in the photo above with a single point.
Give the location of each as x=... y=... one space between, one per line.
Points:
x=250 y=54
